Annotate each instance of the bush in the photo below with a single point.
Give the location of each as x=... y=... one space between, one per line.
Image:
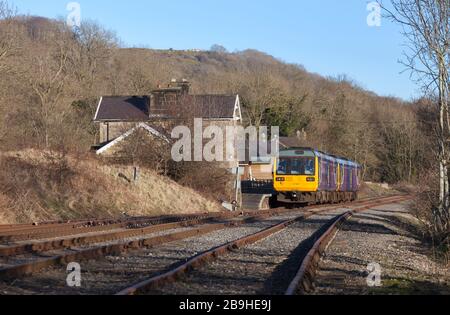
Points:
x=425 y=206
x=210 y=179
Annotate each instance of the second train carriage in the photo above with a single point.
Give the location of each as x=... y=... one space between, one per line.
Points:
x=304 y=175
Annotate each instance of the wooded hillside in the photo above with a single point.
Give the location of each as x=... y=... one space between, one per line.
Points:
x=52 y=77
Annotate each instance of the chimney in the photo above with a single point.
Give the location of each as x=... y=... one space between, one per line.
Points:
x=167 y=98
x=183 y=85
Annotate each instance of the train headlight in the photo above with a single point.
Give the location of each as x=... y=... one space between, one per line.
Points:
x=311 y=179
x=281 y=179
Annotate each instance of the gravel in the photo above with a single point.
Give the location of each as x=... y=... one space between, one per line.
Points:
x=111 y=274
x=28 y=258
x=381 y=236
x=264 y=268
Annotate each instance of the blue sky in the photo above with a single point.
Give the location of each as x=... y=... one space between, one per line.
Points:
x=329 y=37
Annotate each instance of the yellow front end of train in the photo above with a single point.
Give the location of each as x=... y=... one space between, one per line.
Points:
x=296 y=171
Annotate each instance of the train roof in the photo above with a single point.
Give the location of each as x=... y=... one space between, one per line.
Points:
x=338 y=159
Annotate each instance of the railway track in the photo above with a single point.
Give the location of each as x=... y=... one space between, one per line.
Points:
x=12 y=245
x=53 y=229
x=111 y=234
x=303 y=282
x=25 y=259
x=23 y=233
x=164 y=283
x=133 y=247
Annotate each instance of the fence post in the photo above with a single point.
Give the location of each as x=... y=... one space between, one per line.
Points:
x=136 y=174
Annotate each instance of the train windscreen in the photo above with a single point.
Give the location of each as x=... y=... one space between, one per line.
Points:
x=303 y=166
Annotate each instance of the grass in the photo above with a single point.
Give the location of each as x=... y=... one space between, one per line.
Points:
x=39 y=186
x=399 y=286
x=370 y=190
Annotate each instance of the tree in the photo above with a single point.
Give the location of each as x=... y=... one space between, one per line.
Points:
x=91 y=54
x=288 y=115
x=8 y=42
x=46 y=70
x=218 y=49
x=260 y=93
x=9 y=47
x=426 y=30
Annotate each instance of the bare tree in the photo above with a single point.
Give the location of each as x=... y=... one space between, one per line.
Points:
x=427 y=32
x=259 y=94
x=8 y=47
x=218 y=49
x=93 y=52
x=139 y=81
x=8 y=42
x=47 y=71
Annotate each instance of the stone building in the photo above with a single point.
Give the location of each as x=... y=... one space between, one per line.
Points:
x=119 y=117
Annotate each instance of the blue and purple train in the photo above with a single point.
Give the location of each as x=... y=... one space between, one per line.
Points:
x=305 y=175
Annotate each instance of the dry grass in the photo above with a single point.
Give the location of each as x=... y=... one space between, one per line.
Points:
x=373 y=190
x=40 y=186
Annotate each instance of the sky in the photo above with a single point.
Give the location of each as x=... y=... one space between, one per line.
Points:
x=328 y=37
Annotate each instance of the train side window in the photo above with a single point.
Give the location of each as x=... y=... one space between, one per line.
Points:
x=347 y=176
x=351 y=178
x=335 y=173
x=323 y=170
x=328 y=172
x=332 y=179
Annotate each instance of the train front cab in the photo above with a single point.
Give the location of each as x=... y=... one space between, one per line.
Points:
x=296 y=176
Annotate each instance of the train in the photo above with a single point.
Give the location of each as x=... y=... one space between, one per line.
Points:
x=306 y=175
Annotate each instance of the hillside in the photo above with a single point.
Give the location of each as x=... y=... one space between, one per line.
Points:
x=41 y=186
x=52 y=78
x=52 y=106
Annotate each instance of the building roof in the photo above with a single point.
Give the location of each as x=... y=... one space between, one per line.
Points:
x=205 y=106
x=123 y=108
x=143 y=108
